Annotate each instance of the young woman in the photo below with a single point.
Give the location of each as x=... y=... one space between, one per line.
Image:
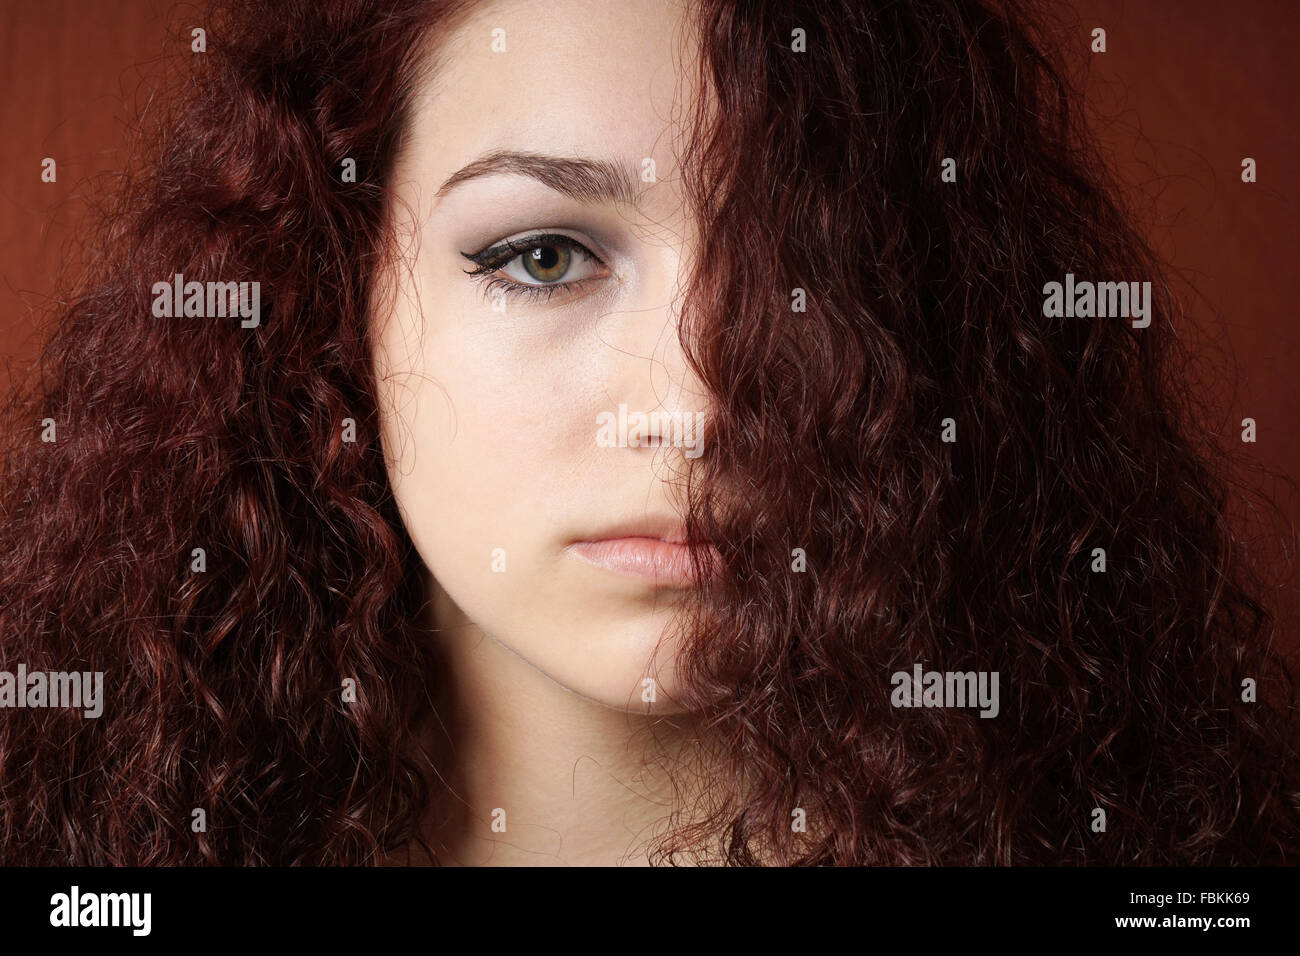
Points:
x=637 y=432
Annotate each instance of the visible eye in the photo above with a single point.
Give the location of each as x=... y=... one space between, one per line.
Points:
x=535 y=265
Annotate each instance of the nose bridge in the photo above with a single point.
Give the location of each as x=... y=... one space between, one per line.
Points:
x=657 y=376
x=655 y=400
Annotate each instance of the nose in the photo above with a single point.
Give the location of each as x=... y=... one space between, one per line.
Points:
x=666 y=403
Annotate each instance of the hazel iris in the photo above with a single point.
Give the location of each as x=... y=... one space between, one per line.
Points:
x=548 y=263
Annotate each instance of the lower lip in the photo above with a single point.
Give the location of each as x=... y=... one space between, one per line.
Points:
x=650 y=559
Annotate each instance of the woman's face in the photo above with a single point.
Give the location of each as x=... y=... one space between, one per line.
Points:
x=511 y=399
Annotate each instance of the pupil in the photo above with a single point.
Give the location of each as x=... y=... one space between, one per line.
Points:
x=546 y=257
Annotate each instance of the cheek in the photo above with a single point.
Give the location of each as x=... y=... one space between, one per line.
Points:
x=497 y=469
x=488 y=445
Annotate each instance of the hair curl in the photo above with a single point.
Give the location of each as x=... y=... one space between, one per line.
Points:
x=817 y=171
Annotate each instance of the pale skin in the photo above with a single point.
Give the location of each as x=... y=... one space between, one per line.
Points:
x=489 y=424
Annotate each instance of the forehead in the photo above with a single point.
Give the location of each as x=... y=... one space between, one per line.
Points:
x=607 y=79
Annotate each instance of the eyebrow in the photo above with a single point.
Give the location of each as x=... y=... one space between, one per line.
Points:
x=584 y=180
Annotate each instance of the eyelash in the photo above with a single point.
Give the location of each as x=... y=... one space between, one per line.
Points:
x=495 y=257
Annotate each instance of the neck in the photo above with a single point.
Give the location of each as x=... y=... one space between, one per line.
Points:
x=534 y=774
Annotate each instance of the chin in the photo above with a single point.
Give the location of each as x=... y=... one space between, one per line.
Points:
x=620 y=674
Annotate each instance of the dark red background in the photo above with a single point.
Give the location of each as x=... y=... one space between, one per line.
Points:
x=1186 y=89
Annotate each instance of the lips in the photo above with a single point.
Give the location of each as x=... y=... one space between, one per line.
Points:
x=650 y=549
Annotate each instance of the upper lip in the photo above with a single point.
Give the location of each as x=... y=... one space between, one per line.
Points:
x=671 y=530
